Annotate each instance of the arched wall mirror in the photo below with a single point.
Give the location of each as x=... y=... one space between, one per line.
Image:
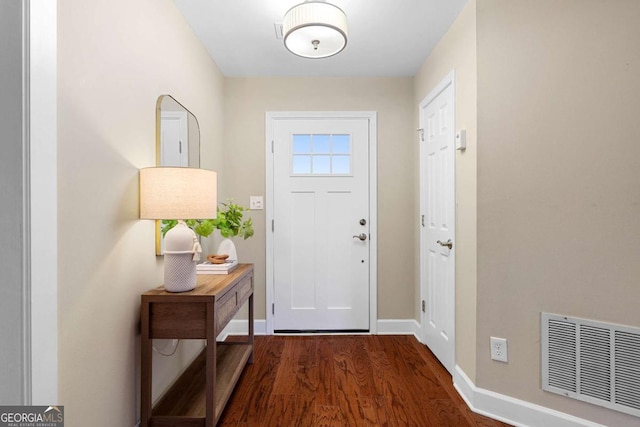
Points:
x=177 y=134
x=177 y=141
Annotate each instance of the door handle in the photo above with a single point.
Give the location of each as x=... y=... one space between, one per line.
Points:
x=448 y=243
x=361 y=236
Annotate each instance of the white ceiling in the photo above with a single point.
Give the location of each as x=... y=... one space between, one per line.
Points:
x=386 y=37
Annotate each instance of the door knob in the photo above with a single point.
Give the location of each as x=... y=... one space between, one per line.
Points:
x=448 y=243
x=361 y=236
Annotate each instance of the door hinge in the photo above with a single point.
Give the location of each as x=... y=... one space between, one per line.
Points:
x=423 y=220
x=272 y=145
x=421 y=131
x=180 y=147
x=273 y=226
x=273 y=308
x=424 y=306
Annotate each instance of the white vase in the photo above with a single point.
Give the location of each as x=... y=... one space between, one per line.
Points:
x=227 y=247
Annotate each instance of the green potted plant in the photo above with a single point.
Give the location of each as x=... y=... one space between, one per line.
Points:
x=228 y=221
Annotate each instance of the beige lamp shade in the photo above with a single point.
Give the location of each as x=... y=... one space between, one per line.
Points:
x=178 y=193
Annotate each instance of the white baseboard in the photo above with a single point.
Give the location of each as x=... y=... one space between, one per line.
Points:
x=241 y=327
x=398 y=327
x=510 y=410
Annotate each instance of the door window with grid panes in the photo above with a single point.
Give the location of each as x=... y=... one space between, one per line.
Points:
x=321 y=154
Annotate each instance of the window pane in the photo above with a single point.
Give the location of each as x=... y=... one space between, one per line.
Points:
x=341 y=144
x=321 y=144
x=321 y=164
x=341 y=164
x=301 y=164
x=302 y=144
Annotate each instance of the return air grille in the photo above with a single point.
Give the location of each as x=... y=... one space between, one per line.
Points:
x=592 y=361
x=627 y=369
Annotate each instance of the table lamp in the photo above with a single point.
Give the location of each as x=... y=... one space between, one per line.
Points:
x=178 y=193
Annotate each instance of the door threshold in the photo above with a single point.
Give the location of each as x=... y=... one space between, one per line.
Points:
x=320 y=331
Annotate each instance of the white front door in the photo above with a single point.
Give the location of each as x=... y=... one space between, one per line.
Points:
x=437 y=237
x=321 y=224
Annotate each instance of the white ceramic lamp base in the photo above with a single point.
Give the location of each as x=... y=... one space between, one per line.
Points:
x=179 y=272
x=182 y=250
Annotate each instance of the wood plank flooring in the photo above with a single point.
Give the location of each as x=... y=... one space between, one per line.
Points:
x=364 y=380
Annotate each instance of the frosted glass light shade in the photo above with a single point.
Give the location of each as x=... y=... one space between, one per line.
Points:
x=315 y=30
x=178 y=193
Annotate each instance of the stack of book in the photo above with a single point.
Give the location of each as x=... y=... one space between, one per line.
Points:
x=209 y=268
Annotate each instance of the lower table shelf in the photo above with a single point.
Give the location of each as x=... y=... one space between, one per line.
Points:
x=186 y=399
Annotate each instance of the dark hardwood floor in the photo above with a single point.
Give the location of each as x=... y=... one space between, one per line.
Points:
x=365 y=380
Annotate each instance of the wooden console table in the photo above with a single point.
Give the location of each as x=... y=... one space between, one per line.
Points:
x=199 y=396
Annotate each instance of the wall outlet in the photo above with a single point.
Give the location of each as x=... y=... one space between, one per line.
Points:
x=499 y=349
x=256 y=203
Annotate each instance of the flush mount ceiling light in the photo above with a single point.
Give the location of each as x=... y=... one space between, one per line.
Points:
x=315 y=29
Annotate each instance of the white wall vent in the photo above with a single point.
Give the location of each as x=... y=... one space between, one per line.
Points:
x=592 y=361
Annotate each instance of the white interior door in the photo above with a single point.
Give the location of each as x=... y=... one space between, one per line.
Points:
x=174 y=149
x=321 y=227
x=437 y=236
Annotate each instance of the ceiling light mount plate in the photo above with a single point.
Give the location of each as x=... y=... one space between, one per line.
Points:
x=315 y=29
x=277 y=26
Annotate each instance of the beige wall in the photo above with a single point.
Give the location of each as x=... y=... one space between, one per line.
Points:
x=551 y=165
x=247 y=100
x=115 y=58
x=457 y=51
x=558 y=180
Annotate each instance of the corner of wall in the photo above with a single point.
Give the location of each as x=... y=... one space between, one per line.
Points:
x=457 y=51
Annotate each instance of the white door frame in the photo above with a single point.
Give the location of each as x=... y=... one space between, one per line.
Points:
x=43 y=221
x=271 y=117
x=448 y=80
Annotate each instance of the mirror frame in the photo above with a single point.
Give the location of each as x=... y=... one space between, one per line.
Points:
x=190 y=116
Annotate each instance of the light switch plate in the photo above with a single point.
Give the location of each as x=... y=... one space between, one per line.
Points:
x=256 y=203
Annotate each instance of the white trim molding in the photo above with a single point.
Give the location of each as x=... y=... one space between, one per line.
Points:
x=399 y=327
x=43 y=244
x=241 y=327
x=270 y=118
x=511 y=410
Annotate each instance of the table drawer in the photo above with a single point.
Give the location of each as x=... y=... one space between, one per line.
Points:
x=245 y=288
x=177 y=320
x=230 y=302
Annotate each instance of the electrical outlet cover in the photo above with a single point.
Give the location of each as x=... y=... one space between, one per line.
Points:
x=499 y=350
